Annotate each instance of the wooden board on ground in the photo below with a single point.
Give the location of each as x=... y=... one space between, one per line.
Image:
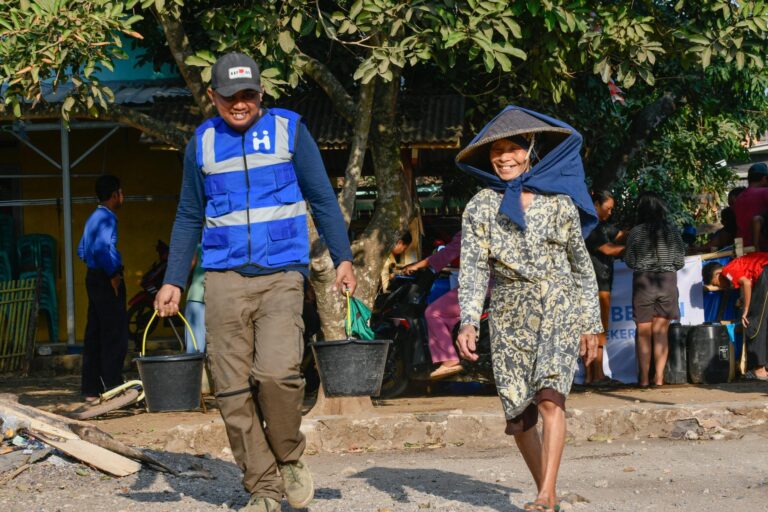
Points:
x=93 y=455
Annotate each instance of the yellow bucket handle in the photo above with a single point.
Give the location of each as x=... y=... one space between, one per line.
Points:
x=349 y=315
x=146 y=330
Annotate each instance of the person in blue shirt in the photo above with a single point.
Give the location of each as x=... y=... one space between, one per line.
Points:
x=106 y=333
x=248 y=176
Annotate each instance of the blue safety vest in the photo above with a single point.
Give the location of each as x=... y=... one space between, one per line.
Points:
x=255 y=214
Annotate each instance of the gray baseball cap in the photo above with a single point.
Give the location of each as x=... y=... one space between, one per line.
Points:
x=235 y=72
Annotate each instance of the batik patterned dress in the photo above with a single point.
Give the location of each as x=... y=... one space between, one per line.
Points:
x=544 y=295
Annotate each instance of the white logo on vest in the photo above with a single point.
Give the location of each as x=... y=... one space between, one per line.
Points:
x=264 y=140
x=240 y=72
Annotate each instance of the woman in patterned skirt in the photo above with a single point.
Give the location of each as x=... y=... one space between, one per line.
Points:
x=526 y=231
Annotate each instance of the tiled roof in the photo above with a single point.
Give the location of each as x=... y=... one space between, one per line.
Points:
x=428 y=121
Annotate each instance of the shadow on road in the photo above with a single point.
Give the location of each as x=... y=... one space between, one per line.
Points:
x=443 y=484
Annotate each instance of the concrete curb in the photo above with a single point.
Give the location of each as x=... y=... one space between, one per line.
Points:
x=481 y=430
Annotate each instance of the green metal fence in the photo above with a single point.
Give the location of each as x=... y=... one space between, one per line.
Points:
x=18 y=318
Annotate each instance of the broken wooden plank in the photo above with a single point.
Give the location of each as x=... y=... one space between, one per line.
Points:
x=96 y=456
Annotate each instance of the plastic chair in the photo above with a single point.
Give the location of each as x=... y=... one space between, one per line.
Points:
x=36 y=251
x=48 y=301
x=6 y=272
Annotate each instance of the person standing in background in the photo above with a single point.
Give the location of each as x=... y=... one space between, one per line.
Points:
x=655 y=252
x=603 y=249
x=752 y=203
x=106 y=331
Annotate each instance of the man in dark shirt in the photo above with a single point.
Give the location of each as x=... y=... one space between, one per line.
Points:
x=247 y=174
x=106 y=333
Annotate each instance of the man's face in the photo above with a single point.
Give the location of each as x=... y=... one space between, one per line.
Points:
x=719 y=280
x=399 y=248
x=119 y=198
x=240 y=110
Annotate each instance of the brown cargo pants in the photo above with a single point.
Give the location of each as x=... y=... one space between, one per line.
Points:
x=254 y=338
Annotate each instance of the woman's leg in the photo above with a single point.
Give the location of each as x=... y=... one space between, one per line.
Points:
x=441 y=316
x=644 y=335
x=552 y=445
x=660 y=327
x=595 y=370
x=529 y=444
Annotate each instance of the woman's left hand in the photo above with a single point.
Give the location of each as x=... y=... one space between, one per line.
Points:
x=588 y=348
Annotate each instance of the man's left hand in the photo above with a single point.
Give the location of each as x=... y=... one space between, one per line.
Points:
x=588 y=348
x=345 y=278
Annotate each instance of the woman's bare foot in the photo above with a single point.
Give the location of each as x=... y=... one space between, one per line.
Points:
x=446 y=369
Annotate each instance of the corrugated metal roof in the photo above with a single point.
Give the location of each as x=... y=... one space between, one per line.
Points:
x=128 y=92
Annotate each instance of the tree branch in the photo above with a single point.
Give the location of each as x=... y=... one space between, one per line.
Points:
x=357 y=148
x=178 y=42
x=320 y=73
x=643 y=125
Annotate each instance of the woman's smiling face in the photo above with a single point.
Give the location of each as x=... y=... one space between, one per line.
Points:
x=508 y=159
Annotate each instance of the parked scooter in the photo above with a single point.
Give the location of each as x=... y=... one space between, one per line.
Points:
x=399 y=316
x=141 y=306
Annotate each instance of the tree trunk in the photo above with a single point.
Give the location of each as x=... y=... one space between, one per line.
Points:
x=643 y=125
x=181 y=49
x=394 y=209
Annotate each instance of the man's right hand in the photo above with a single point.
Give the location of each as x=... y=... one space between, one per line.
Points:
x=167 y=300
x=467 y=341
x=115 y=280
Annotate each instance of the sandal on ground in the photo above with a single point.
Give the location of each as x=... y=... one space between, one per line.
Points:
x=445 y=371
x=540 y=506
x=606 y=382
x=750 y=375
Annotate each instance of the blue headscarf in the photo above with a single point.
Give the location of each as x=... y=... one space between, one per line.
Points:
x=559 y=171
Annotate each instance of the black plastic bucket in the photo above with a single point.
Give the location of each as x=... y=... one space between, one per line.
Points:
x=676 y=370
x=171 y=383
x=710 y=354
x=351 y=367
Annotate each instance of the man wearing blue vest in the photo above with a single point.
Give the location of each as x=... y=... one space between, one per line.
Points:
x=247 y=175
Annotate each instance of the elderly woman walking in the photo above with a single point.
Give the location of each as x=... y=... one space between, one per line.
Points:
x=526 y=231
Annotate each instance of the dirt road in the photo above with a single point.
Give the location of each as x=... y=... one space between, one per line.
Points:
x=634 y=475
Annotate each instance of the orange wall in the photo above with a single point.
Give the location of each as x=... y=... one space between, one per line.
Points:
x=142 y=171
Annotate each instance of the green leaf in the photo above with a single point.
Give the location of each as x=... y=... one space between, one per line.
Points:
x=16 y=108
x=740 y=60
x=699 y=40
x=296 y=22
x=706 y=56
x=454 y=38
x=68 y=104
x=194 y=60
x=285 y=39
x=355 y=9
x=270 y=73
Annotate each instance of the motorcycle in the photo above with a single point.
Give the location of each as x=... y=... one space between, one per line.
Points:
x=399 y=316
x=141 y=306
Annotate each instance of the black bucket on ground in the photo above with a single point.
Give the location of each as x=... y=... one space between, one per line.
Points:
x=351 y=367
x=709 y=353
x=676 y=370
x=171 y=383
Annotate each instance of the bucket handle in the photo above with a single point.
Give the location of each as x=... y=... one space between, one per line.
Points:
x=146 y=330
x=349 y=316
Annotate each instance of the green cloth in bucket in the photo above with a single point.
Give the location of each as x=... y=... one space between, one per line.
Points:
x=357 y=320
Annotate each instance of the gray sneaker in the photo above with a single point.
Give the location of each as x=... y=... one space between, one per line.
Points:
x=261 y=504
x=299 y=488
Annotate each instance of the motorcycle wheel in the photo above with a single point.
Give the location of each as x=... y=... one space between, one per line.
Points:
x=138 y=318
x=396 y=379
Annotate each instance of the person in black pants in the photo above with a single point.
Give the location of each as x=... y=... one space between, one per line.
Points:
x=106 y=333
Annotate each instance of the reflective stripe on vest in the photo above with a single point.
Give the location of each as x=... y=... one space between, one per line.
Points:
x=281 y=155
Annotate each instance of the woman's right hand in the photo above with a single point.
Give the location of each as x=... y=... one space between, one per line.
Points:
x=467 y=341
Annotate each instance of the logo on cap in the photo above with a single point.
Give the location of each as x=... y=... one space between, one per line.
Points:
x=240 y=72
